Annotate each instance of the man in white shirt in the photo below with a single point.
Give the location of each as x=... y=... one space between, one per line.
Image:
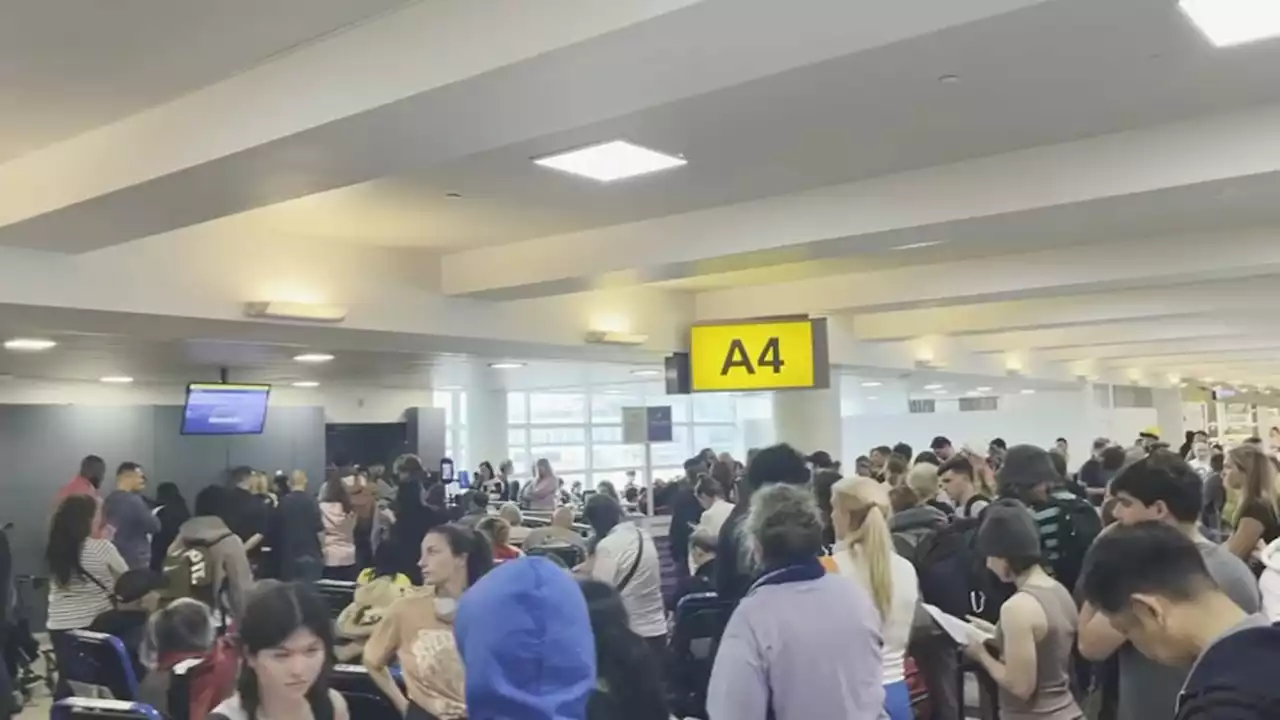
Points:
x=626 y=558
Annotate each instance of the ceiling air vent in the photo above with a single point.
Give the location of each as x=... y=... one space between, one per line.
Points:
x=919 y=407
x=979 y=404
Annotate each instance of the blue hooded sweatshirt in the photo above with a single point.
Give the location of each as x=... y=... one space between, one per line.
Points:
x=525 y=638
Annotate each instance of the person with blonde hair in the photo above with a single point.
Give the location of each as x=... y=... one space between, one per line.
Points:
x=1257 y=514
x=864 y=551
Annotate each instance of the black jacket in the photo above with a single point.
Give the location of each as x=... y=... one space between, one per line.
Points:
x=734 y=571
x=686 y=511
x=1235 y=679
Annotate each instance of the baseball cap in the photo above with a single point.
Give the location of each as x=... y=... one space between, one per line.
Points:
x=135 y=584
x=1151 y=432
x=939 y=442
x=1009 y=531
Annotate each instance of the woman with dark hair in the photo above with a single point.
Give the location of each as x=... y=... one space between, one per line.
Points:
x=418 y=630
x=83 y=569
x=286 y=640
x=628 y=680
x=339 y=517
x=625 y=557
x=1037 y=629
x=171 y=512
x=414 y=514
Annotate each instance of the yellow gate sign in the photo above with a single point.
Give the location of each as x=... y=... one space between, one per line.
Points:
x=774 y=354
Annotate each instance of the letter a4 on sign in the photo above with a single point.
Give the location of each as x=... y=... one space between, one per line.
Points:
x=764 y=355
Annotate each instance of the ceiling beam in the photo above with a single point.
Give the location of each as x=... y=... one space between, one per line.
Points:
x=862 y=216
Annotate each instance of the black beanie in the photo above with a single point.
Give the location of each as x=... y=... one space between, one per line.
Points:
x=1008 y=531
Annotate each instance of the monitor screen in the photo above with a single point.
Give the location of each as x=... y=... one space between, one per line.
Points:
x=225 y=409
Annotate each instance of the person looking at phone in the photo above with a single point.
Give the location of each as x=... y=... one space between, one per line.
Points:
x=1037 y=626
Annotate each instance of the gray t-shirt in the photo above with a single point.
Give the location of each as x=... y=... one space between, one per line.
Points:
x=1149 y=689
x=134 y=523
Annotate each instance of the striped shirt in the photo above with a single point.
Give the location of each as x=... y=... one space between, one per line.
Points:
x=1047 y=520
x=76 y=604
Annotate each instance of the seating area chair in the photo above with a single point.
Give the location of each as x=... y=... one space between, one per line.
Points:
x=80 y=708
x=700 y=622
x=97 y=665
x=337 y=593
x=571 y=555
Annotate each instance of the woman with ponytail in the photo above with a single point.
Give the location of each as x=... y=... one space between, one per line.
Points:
x=418 y=630
x=286 y=641
x=864 y=551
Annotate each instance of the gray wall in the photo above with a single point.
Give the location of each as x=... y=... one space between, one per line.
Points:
x=41 y=447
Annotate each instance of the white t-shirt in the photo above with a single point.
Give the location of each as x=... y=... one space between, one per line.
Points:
x=615 y=555
x=896 y=629
x=75 y=606
x=232 y=709
x=713 y=517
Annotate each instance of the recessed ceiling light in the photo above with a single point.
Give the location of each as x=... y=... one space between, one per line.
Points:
x=29 y=344
x=933 y=386
x=612 y=392
x=506 y=365
x=646 y=373
x=973 y=393
x=983 y=388
x=917 y=246
x=939 y=392
x=314 y=357
x=306 y=384
x=1234 y=22
x=871 y=383
x=449 y=388
x=116 y=379
x=614 y=160
x=1028 y=391
x=949 y=79
x=872 y=397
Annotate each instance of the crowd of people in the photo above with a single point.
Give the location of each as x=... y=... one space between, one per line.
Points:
x=1132 y=588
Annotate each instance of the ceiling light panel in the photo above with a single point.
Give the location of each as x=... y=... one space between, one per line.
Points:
x=1234 y=22
x=615 y=160
x=29 y=344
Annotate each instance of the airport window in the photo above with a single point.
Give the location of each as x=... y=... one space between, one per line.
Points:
x=580 y=431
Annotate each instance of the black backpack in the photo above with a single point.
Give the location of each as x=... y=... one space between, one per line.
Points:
x=1079 y=524
x=953 y=574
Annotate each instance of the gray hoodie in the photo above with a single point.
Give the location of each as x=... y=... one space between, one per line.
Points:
x=232 y=576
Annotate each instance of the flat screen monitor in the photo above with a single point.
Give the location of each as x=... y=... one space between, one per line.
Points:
x=225 y=409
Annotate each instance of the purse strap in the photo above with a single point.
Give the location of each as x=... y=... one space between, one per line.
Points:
x=635 y=565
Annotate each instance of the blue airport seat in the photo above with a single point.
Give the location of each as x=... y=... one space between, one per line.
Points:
x=79 y=708
x=337 y=593
x=364 y=698
x=98 y=666
x=700 y=622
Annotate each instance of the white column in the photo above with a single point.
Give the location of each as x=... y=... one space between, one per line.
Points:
x=1168 y=402
x=486 y=432
x=809 y=420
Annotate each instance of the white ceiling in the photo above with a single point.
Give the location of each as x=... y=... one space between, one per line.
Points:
x=67 y=66
x=1056 y=72
x=1105 y=183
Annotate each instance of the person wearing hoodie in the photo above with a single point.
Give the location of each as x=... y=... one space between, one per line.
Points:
x=803 y=643
x=231 y=577
x=419 y=629
x=1160 y=487
x=524 y=634
x=865 y=552
x=1150 y=582
x=339 y=517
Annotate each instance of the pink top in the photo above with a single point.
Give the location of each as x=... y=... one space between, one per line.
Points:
x=339 y=535
x=82 y=486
